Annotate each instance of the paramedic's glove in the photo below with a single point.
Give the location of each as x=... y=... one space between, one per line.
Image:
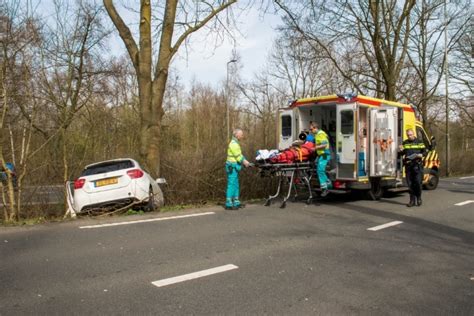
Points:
x=400 y=148
x=251 y=164
x=246 y=163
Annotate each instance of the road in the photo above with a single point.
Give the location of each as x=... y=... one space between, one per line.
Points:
x=301 y=260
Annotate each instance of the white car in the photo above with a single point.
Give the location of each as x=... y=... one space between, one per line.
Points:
x=116 y=183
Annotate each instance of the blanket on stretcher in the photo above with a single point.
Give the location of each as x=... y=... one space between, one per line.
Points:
x=296 y=153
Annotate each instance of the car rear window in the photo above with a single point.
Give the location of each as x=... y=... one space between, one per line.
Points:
x=108 y=166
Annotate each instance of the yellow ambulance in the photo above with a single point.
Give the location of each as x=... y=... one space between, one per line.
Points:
x=364 y=134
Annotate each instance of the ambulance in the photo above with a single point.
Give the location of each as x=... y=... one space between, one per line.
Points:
x=364 y=134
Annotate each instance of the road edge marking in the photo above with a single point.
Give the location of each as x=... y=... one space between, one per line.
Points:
x=146 y=220
x=464 y=178
x=194 y=275
x=379 y=227
x=464 y=203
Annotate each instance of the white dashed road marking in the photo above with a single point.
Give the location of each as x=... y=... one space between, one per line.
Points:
x=464 y=203
x=146 y=220
x=194 y=275
x=384 y=226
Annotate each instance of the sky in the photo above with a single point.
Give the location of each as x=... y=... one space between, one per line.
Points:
x=203 y=62
x=253 y=45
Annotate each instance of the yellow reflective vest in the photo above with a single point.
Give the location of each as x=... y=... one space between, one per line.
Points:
x=321 y=139
x=234 y=153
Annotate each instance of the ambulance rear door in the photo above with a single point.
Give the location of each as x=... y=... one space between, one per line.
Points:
x=286 y=128
x=346 y=141
x=383 y=132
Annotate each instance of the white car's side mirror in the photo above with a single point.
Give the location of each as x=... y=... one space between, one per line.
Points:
x=161 y=181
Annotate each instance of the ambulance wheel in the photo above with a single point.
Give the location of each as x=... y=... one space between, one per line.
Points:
x=433 y=180
x=375 y=194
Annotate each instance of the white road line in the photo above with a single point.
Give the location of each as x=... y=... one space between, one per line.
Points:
x=464 y=203
x=375 y=228
x=146 y=220
x=194 y=275
x=463 y=178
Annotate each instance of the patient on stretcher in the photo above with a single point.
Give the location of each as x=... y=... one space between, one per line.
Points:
x=299 y=151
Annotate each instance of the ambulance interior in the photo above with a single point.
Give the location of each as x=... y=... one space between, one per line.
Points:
x=325 y=117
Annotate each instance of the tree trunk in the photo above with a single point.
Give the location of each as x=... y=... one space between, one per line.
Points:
x=152 y=90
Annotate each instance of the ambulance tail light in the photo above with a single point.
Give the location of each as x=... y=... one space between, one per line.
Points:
x=339 y=184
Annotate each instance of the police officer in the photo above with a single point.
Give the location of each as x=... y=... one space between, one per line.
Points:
x=413 y=151
x=233 y=165
x=324 y=156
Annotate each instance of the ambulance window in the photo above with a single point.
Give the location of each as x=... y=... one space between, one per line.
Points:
x=347 y=122
x=286 y=125
x=420 y=134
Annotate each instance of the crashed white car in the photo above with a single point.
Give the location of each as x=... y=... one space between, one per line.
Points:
x=114 y=184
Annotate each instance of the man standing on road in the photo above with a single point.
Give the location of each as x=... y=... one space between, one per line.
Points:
x=233 y=165
x=413 y=151
x=324 y=156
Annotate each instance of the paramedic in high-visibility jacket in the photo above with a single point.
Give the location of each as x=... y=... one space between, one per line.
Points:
x=413 y=151
x=233 y=165
x=324 y=156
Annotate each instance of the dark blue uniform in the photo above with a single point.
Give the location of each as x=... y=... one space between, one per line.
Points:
x=413 y=168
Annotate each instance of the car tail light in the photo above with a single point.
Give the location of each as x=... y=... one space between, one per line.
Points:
x=135 y=173
x=79 y=183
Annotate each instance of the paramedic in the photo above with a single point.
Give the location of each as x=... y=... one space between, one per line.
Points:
x=234 y=163
x=324 y=156
x=413 y=151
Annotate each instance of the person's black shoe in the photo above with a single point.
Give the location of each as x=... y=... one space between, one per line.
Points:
x=241 y=206
x=231 y=208
x=412 y=201
x=419 y=202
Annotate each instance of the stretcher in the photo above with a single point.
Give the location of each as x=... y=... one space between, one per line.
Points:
x=296 y=174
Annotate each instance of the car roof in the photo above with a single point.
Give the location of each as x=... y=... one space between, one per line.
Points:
x=113 y=160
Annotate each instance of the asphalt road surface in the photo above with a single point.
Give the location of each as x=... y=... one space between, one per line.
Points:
x=337 y=256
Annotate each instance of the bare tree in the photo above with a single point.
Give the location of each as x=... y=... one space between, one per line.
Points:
x=19 y=40
x=262 y=100
x=71 y=67
x=426 y=47
x=152 y=78
x=463 y=53
x=379 y=28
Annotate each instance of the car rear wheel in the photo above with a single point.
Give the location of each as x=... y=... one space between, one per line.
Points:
x=151 y=205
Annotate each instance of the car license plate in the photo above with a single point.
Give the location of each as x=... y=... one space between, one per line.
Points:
x=101 y=183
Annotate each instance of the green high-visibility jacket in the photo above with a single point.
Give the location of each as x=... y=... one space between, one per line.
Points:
x=234 y=152
x=321 y=139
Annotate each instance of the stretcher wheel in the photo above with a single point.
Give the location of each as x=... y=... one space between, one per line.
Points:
x=268 y=202
x=283 y=204
x=309 y=201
